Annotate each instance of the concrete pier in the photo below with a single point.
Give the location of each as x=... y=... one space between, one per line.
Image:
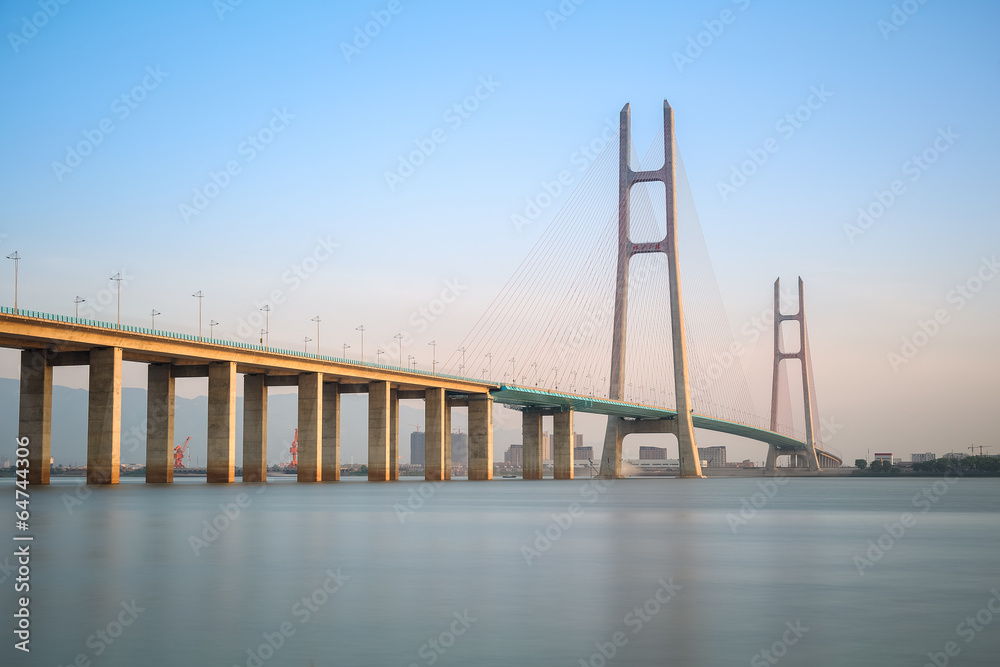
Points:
x=221 y=421
x=310 y=427
x=446 y=453
x=531 y=439
x=434 y=431
x=254 y=428
x=159 y=424
x=393 y=435
x=378 y=431
x=330 y=456
x=104 y=421
x=562 y=445
x=480 y=437
x=35 y=414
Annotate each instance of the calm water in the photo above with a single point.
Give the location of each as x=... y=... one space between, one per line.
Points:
x=402 y=579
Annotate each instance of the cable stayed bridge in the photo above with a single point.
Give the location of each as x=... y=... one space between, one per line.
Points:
x=593 y=321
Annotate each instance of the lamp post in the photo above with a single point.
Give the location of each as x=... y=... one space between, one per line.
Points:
x=461 y=368
x=77 y=301
x=362 y=330
x=410 y=361
x=317 y=321
x=267 y=325
x=305 y=345
x=555 y=377
x=118 y=279
x=211 y=328
x=535 y=366
x=399 y=337
x=378 y=356
x=489 y=366
x=434 y=362
x=152 y=318
x=198 y=295
x=17 y=258
x=343 y=354
x=513 y=371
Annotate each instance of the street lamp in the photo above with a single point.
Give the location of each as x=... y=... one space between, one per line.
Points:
x=198 y=295
x=489 y=366
x=513 y=371
x=17 y=258
x=77 y=301
x=573 y=383
x=535 y=366
x=434 y=362
x=461 y=368
x=305 y=344
x=343 y=354
x=399 y=337
x=410 y=361
x=118 y=279
x=317 y=321
x=152 y=318
x=378 y=356
x=267 y=324
x=556 y=376
x=362 y=330
x=211 y=329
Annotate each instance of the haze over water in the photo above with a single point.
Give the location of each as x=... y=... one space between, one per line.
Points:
x=455 y=569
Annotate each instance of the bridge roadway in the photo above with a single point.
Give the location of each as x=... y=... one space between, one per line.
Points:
x=47 y=341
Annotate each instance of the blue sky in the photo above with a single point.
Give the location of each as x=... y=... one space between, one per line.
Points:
x=222 y=76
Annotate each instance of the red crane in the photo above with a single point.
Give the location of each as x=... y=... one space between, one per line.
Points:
x=294 y=449
x=179 y=452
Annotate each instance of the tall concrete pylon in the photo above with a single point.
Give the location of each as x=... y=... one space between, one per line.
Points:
x=690 y=465
x=808 y=400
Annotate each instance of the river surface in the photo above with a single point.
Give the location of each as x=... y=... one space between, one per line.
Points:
x=512 y=572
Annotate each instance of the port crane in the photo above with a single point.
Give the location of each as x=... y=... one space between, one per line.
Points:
x=179 y=453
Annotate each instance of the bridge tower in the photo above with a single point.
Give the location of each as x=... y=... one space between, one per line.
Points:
x=808 y=399
x=690 y=465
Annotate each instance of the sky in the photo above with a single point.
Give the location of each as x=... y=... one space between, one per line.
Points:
x=262 y=152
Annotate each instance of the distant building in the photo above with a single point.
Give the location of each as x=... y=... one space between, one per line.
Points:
x=577 y=440
x=514 y=455
x=546 y=446
x=715 y=457
x=922 y=458
x=583 y=453
x=957 y=456
x=883 y=456
x=459 y=447
x=652 y=453
x=417 y=448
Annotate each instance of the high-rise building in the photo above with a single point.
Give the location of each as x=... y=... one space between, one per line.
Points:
x=577 y=440
x=459 y=447
x=583 y=453
x=514 y=455
x=715 y=456
x=417 y=448
x=652 y=453
x=923 y=458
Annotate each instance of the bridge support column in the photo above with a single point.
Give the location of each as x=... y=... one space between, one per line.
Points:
x=531 y=444
x=562 y=445
x=378 y=431
x=434 y=430
x=221 y=421
x=35 y=414
x=159 y=424
x=480 y=437
x=310 y=427
x=611 y=458
x=447 y=439
x=254 y=428
x=331 y=432
x=104 y=416
x=394 y=435
x=772 y=458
